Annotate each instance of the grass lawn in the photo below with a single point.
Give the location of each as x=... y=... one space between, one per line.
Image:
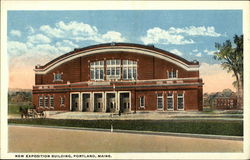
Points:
x=14 y=108
x=218 y=127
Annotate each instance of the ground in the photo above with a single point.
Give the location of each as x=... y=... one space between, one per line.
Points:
x=39 y=139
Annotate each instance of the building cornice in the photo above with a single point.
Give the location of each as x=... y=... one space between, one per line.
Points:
x=118 y=47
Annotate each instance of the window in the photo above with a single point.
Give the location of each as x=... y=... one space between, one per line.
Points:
x=142 y=101
x=170 y=101
x=113 y=69
x=180 y=101
x=62 y=101
x=46 y=101
x=129 y=69
x=97 y=70
x=40 y=101
x=57 y=77
x=51 y=101
x=172 y=74
x=160 y=101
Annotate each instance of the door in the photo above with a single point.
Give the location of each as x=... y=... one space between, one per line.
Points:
x=110 y=102
x=124 y=102
x=86 y=105
x=74 y=102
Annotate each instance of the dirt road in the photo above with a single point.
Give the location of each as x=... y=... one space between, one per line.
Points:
x=38 y=139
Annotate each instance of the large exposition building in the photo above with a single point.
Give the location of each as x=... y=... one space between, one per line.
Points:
x=118 y=77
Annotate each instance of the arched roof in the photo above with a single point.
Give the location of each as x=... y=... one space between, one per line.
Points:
x=114 y=47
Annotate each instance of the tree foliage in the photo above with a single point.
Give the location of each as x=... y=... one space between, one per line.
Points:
x=231 y=56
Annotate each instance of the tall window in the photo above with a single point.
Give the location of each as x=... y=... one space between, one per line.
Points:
x=180 y=101
x=40 y=101
x=97 y=70
x=160 y=101
x=62 y=101
x=129 y=69
x=113 y=69
x=51 y=101
x=172 y=74
x=170 y=101
x=46 y=101
x=142 y=101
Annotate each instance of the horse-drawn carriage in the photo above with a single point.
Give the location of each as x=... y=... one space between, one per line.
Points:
x=31 y=113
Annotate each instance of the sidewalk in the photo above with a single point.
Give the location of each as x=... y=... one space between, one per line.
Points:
x=144 y=115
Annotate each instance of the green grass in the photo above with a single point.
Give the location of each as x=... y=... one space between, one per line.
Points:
x=218 y=127
x=14 y=108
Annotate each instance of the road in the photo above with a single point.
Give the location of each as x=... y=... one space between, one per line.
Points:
x=39 y=139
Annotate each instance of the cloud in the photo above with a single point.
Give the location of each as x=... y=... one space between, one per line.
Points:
x=177 y=52
x=112 y=36
x=215 y=78
x=209 y=52
x=161 y=36
x=196 y=31
x=16 y=33
x=15 y=48
x=195 y=50
x=198 y=54
x=177 y=35
x=79 y=31
x=38 y=39
x=30 y=29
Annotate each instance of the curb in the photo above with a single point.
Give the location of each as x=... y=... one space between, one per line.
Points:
x=222 y=137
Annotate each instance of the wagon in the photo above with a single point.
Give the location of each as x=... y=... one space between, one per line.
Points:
x=31 y=113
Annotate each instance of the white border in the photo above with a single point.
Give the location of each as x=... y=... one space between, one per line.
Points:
x=128 y=5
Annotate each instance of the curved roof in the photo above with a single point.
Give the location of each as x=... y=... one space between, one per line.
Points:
x=113 y=47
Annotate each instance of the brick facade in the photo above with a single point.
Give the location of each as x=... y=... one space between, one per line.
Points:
x=152 y=79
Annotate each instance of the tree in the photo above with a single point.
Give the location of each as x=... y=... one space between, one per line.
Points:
x=231 y=56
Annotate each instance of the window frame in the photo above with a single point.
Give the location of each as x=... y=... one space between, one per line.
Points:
x=172 y=74
x=113 y=65
x=40 y=101
x=160 y=96
x=140 y=99
x=129 y=65
x=51 y=99
x=46 y=101
x=182 y=96
x=62 y=101
x=172 y=98
x=97 y=67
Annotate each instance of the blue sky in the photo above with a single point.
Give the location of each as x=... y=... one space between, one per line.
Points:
x=188 y=33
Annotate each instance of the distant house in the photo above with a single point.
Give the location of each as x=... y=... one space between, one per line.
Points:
x=118 y=77
x=226 y=102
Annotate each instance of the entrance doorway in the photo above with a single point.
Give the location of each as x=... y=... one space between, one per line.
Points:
x=75 y=102
x=124 y=102
x=98 y=102
x=110 y=102
x=86 y=103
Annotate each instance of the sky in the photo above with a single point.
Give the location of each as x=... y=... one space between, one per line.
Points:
x=37 y=37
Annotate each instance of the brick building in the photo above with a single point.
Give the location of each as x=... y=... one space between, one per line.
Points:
x=117 y=77
x=226 y=102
